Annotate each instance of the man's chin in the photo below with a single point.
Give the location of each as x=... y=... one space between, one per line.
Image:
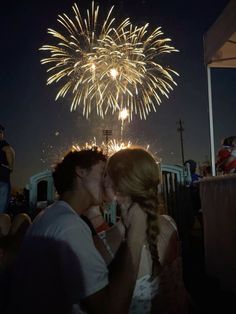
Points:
x=97 y=202
x=107 y=198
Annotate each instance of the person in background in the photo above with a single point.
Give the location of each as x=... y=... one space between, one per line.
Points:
x=205 y=169
x=194 y=189
x=192 y=167
x=7 y=159
x=226 y=156
x=223 y=155
x=230 y=165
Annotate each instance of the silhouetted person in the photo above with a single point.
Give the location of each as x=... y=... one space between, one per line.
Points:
x=7 y=158
x=194 y=188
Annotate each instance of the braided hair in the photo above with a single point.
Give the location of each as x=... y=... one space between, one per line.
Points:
x=135 y=173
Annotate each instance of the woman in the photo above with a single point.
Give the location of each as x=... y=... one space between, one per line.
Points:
x=132 y=178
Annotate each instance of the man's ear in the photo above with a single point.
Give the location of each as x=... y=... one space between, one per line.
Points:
x=81 y=173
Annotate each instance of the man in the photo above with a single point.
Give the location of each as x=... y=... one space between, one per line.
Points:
x=192 y=168
x=7 y=158
x=59 y=269
x=194 y=189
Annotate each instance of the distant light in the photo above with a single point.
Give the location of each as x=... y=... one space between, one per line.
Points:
x=57 y=133
x=113 y=73
x=93 y=67
x=124 y=113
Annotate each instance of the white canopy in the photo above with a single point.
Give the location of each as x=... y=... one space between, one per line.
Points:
x=220 y=40
x=220 y=52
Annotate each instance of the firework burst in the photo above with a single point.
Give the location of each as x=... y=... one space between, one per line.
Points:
x=109 y=67
x=88 y=145
x=111 y=147
x=136 y=81
x=116 y=145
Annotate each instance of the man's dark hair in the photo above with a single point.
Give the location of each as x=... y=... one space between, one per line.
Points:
x=228 y=141
x=64 y=172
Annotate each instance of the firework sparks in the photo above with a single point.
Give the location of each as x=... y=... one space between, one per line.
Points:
x=137 y=80
x=51 y=155
x=71 y=60
x=87 y=145
x=115 y=145
x=111 y=147
x=123 y=114
x=108 y=67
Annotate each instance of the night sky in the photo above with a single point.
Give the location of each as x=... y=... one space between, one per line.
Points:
x=40 y=129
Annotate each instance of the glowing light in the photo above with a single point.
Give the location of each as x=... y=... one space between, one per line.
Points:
x=116 y=145
x=87 y=145
x=52 y=155
x=109 y=67
x=124 y=113
x=111 y=147
x=93 y=67
x=113 y=73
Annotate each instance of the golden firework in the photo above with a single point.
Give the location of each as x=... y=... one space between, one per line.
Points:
x=116 y=145
x=109 y=67
x=139 y=80
x=111 y=147
x=88 y=145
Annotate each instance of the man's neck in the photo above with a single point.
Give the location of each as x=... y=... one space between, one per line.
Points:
x=75 y=202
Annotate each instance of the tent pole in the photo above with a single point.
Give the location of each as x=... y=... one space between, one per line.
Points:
x=211 y=121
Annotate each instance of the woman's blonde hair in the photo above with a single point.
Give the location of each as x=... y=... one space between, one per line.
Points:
x=135 y=173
